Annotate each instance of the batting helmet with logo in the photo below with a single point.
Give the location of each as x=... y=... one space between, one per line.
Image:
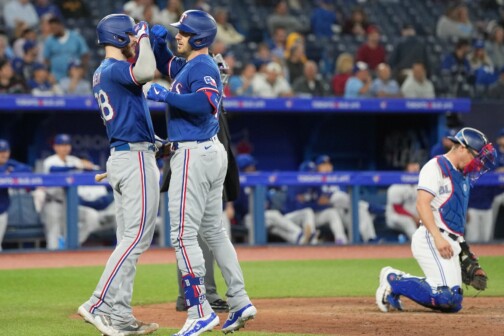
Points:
x=113 y=29
x=471 y=138
x=200 y=24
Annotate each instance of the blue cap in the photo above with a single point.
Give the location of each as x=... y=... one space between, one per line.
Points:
x=4 y=145
x=29 y=45
x=38 y=66
x=360 y=66
x=245 y=160
x=501 y=133
x=74 y=63
x=322 y=159
x=307 y=166
x=62 y=139
x=479 y=44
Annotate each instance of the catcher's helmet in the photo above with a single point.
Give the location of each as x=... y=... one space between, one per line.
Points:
x=200 y=24
x=471 y=138
x=113 y=29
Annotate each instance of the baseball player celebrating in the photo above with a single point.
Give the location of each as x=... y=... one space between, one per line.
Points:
x=400 y=212
x=443 y=194
x=131 y=168
x=199 y=166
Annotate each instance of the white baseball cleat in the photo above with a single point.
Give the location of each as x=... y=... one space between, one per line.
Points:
x=385 y=300
x=101 y=322
x=195 y=327
x=236 y=320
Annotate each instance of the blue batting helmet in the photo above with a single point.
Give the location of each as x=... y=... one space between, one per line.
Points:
x=200 y=24
x=113 y=29
x=471 y=138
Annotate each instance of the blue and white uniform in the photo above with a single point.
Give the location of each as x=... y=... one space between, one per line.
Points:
x=11 y=166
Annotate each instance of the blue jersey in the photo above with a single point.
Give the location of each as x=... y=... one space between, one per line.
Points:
x=197 y=75
x=11 y=166
x=122 y=103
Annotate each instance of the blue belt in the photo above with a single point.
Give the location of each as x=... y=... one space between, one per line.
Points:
x=126 y=147
x=175 y=145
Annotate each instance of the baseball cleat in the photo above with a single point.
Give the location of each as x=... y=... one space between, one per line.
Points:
x=385 y=299
x=139 y=328
x=101 y=322
x=237 y=319
x=195 y=327
x=219 y=306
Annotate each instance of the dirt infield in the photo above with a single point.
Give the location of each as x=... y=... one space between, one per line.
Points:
x=324 y=316
x=353 y=316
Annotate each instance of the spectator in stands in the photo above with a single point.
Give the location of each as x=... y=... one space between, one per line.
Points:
x=400 y=212
x=295 y=227
x=5 y=49
x=323 y=19
x=455 y=23
x=44 y=34
x=497 y=91
x=135 y=9
x=150 y=14
x=7 y=166
x=63 y=47
x=383 y=86
x=409 y=50
x=44 y=7
x=24 y=66
x=480 y=224
x=262 y=56
x=271 y=84
x=171 y=13
x=359 y=85
x=277 y=44
x=20 y=12
x=344 y=68
x=241 y=85
x=75 y=83
x=75 y=9
x=282 y=18
x=478 y=57
x=495 y=46
x=358 y=23
x=443 y=146
x=226 y=32
x=295 y=56
x=43 y=82
x=28 y=34
x=417 y=85
x=372 y=52
x=53 y=210
x=9 y=82
x=310 y=85
x=202 y=5
x=456 y=69
x=319 y=200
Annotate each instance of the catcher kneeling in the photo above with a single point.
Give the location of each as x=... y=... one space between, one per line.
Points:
x=438 y=244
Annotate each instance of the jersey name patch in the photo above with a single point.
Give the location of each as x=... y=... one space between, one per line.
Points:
x=210 y=80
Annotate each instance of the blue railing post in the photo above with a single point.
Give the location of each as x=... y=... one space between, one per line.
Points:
x=165 y=215
x=355 y=197
x=72 y=217
x=259 y=200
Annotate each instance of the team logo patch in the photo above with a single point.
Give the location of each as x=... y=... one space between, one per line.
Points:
x=210 y=80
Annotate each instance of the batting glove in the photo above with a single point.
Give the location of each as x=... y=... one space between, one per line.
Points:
x=160 y=33
x=141 y=29
x=157 y=93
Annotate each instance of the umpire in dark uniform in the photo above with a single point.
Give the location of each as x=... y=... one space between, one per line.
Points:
x=230 y=194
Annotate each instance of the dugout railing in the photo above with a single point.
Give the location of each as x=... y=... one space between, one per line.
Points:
x=258 y=182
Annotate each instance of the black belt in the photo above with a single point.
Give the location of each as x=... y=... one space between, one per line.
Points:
x=175 y=145
x=451 y=235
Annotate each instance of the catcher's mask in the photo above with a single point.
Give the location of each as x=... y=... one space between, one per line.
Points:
x=484 y=153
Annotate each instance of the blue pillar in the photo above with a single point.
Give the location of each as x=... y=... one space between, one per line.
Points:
x=72 y=214
x=355 y=214
x=259 y=200
x=165 y=214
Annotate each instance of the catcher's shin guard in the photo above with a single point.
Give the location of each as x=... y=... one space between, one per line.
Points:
x=417 y=289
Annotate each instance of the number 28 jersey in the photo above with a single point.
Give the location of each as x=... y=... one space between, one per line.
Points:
x=122 y=103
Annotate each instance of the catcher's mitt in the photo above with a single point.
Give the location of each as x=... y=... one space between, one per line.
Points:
x=472 y=273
